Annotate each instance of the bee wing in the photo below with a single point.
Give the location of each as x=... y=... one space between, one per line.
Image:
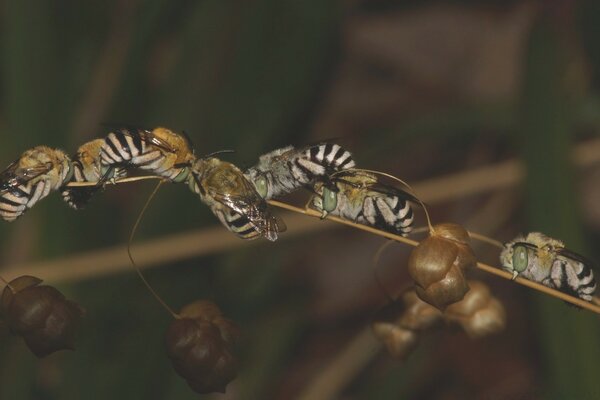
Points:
x=146 y=135
x=571 y=255
x=255 y=208
x=378 y=187
x=14 y=176
x=156 y=141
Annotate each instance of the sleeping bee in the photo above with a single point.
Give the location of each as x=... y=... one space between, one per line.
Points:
x=160 y=151
x=358 y=196
x=233 y=199
x=287 y=169
x=88 y=167
x=31 y=178
x=542 y=259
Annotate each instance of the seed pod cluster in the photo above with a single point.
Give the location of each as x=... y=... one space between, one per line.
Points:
x=41 y=315
x=399 y=324
x=439 y=263
x=201 y=344
x=479 y=313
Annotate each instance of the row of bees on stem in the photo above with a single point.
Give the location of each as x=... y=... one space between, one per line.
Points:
x=239 y=200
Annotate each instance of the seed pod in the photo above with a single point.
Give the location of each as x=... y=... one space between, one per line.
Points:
x=200 y=345
x=479 y=313
x=399 y=324
x=438 y=265
x=41 y=315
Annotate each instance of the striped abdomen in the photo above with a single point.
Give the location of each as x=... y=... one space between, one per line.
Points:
x=132 y=148
x=320 y=161
x=573 y=277
x=238 y=224
x=15 y=202
x=389 y=213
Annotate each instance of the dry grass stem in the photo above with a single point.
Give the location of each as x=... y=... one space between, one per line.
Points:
x=484 y=267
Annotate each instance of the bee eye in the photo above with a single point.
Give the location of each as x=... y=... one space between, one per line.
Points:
x=520 y=258
x=329 y=200
x=261 y=186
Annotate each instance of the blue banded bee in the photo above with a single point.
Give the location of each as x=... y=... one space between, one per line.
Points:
x=542 y=259
x=233 y=199
x=31 y=178
x=287 y=169
x=87 y=167
x=358 y=196
x=159 y=151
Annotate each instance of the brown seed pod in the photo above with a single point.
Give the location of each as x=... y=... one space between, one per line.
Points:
x=41 y=315
x=399 y=324
x=200 y=345
x=438 y=265
x=479 y=313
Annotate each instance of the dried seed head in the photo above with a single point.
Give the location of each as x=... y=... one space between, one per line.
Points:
x=479 y=313
x=200 y=345
x=400 y=342
x=399 y=324
x=41 y=315
x=438 y=265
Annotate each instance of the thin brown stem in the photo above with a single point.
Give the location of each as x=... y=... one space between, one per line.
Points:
x=484 y=267
x=116 y=181
x=137 y=269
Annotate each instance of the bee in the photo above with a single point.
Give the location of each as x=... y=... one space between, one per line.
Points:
x=31 y=178
x=287 y=169
x=358 y=196
x=233 y=199
x=88 y=167
x=159 y=151
x=545 y=260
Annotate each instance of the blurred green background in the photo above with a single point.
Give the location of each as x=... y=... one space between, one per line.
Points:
x=420 y=89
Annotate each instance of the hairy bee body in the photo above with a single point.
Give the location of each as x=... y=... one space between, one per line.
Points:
x=233 y=199
x=88 y=167
x=545 y=260
x=159 y=151
x=359 y=197
x=32 y=177
x=284 y=170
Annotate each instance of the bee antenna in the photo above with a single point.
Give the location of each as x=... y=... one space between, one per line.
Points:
x=139 y=272
x=375 y=262
x=411 y=190
x=219 y=152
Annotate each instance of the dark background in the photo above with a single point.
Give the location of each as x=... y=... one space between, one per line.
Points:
x=420 y=89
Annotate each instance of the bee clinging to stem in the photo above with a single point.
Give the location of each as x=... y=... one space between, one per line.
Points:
x=233 y=199
x=545 y=260
x=88 y=167
x=32 y=177
x=359 y=196
x=284 y=170
x=159 y=151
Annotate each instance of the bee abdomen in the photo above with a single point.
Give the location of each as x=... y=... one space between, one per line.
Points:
x=238 y=224
x=14 y=203
x=121 y=146
x=573 y=278
x=331 y=156
x=391 y=214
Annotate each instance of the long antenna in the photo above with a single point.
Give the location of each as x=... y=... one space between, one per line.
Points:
x=137 y=269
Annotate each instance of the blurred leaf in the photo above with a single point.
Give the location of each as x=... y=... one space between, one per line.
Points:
x=569 y=338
